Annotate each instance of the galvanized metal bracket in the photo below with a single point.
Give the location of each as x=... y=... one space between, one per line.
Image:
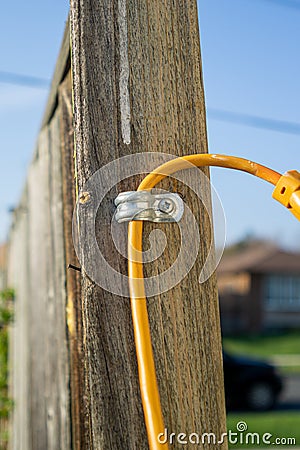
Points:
x=145 y=205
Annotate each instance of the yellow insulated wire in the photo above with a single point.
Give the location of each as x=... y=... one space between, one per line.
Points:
x=146 y=367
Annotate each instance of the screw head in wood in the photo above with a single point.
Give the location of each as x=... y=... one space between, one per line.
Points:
x=84 y=197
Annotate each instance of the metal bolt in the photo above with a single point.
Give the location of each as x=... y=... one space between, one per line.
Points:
x=166 y=206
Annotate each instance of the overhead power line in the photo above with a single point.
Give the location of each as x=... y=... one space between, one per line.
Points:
x=281 y=126
x=285 y=3
x=214 y=113
x=24 y=80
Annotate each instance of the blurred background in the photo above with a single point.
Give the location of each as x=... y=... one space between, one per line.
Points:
x=252 y=92
x=251 y=74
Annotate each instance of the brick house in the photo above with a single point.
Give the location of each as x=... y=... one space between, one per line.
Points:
x=259 y=289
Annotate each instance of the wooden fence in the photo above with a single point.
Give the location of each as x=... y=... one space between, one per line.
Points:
x=74 y=379
x=37 y=271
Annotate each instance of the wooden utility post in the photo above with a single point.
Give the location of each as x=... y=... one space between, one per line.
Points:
x=158 y=44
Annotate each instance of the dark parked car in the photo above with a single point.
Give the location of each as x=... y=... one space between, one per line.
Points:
x=250 y=383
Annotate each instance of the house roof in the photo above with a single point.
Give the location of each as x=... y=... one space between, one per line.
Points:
x=260 y=257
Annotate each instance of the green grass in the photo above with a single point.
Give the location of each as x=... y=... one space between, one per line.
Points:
x=281 y=344
x=6 y=404
x=280 y=424
x=266 y=346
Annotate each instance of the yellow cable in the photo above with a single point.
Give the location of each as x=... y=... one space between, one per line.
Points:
x=146 y=367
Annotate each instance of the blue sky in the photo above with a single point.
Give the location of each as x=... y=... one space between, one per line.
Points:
x=251 y=65
x=30 y=38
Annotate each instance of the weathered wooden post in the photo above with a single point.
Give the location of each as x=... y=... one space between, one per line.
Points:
x=148 y=55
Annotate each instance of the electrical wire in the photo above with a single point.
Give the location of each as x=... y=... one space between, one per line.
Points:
x=146 y=366
x=24 y=80
x=249 y=120
x=281 y=126
x=285 y=4
x=266 y=123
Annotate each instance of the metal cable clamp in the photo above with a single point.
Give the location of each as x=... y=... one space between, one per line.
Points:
x=144 y=205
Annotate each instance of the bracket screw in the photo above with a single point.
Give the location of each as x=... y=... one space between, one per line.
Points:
x=166 y=206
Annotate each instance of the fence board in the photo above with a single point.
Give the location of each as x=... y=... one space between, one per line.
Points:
x=59 y=282
x=80 y=423
x=38 y=253
x=19 y=332
x=137 y=83
x=40 y=326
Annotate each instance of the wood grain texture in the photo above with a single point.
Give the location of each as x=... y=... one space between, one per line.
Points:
x=167 y=114
x=49 y=353
x=73 y=277
x=38 y=251
x=58 y=339
x=37 y=271
x=61 y=68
